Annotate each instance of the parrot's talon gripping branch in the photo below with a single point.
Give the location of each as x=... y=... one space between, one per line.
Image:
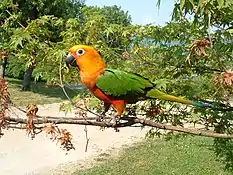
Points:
x=116 y=122
x=101 y=117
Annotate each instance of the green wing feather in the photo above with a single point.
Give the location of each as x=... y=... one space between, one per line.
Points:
x=123 y=85
x=133 y=87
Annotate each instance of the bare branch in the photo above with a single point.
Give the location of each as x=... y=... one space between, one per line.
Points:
x=127 y=121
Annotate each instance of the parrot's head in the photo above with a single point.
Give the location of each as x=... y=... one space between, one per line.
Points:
x=84 y=57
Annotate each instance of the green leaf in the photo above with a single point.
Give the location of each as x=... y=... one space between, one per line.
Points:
x=220 y=3
x=192 y=2
x=161 y=83
x=230 y=31
x=182 y=3
x=66 y=107
x=93 y=103
x=158 y=3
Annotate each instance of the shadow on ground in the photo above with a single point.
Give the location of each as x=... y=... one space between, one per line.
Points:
x=40 y=92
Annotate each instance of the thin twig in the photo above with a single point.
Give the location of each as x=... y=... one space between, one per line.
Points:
x=210 y=38
x=17 y=21
x=85 y=129
x=87 y=139
x=61 y=83
x=62 y=86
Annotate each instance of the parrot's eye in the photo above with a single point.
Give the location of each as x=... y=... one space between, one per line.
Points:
x=80 y=52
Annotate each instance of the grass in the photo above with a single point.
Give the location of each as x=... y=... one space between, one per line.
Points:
x=180 y=156
x=40 y=93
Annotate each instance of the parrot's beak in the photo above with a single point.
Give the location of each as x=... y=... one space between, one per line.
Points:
x=70 y=60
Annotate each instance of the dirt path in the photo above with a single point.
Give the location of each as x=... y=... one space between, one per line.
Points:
x=20 y=155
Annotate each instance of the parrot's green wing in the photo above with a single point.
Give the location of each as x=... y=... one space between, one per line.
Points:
x=123 y=85
x=133 y=87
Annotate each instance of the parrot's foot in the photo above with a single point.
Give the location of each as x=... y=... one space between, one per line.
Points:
x=116 y=121
x=101 y=117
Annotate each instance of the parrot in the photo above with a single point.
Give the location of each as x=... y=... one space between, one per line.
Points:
x=116 y=87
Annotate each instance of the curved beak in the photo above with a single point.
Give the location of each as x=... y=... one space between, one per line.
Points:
x=70 y=60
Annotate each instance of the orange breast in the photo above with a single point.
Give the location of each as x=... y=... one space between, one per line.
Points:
x=89 y=80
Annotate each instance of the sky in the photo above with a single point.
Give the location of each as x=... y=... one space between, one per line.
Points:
x=142 y=12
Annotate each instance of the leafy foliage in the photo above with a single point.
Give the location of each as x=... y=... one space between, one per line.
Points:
x=206 y=12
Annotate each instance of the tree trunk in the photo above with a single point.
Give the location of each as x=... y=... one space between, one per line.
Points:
x=27 y=79
x=3 y=63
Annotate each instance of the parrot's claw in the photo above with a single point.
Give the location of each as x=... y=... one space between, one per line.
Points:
x=101 y=117
x=116 y=121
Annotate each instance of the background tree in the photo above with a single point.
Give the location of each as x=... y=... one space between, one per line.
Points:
x=19 y=14
x=75 y=24
x=113 y=14
x=210 y=57
x=104 y=26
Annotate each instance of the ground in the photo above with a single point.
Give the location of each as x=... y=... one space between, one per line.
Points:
x=21 y=155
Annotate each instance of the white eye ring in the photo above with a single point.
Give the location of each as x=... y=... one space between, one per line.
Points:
x=80 y=52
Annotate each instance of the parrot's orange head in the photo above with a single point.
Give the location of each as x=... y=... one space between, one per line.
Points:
x=84 y=57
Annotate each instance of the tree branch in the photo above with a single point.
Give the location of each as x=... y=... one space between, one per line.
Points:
x=128 y=121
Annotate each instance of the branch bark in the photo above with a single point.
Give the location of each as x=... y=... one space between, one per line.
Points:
x=126 y=121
